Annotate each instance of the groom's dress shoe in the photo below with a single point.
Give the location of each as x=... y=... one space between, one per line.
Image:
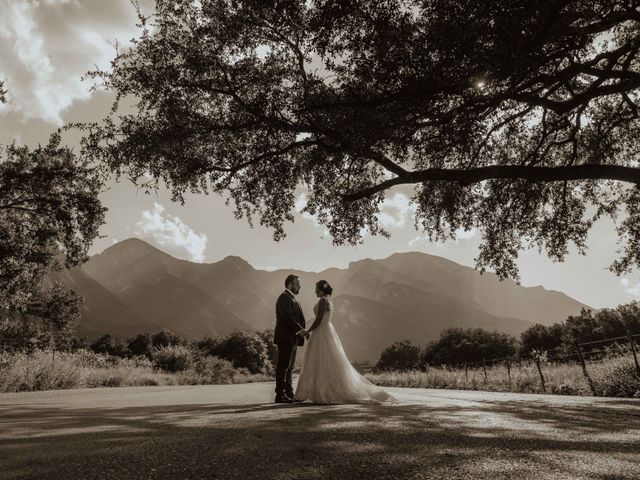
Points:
x=283 y=399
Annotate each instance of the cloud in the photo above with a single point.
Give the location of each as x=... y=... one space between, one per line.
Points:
x=633 y=290
x=169 y=231
x=395 y=210
x=47 y=46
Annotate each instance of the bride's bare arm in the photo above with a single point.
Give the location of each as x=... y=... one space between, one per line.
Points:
x=322 y=307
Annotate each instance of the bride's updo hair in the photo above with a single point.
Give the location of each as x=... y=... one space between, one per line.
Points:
x=324 y=287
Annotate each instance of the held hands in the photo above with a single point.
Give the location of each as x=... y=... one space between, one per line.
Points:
x=302 y=332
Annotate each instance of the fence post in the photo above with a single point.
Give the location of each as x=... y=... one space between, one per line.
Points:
x=484 y=369
x=633 y=350
x=537 y=357
x=584 y=369
x=466 y=372
x=509 y=372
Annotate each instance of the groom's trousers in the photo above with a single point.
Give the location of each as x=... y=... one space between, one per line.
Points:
x=284 y=368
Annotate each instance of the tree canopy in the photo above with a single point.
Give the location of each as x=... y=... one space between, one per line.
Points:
x=519 y=119
x=49 y=216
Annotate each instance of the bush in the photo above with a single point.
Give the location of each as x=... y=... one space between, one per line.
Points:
x=108 y=344
x=457 y=346
x=244 y=350
x=622 y=381
x=140 y=345
x=166 y=338
x=400 y=356
x=172 y=358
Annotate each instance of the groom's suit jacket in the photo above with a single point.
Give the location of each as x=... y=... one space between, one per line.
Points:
x=289 y=320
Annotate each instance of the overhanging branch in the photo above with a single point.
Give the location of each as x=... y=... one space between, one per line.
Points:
x=523 y=172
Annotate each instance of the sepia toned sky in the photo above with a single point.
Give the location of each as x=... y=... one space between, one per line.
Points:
x=46 y=46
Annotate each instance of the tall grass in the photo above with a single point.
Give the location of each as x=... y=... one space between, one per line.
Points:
x=612 y=376
x=47 y=370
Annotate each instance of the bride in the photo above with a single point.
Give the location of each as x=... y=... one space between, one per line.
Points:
x=327 y=376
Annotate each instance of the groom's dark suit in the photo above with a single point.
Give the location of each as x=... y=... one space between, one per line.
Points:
x=289 y=320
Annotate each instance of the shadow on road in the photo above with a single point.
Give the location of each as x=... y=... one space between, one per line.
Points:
x=493 y=440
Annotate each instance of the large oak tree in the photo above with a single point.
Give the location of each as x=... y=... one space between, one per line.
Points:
x=50 y=214
x=516 y=118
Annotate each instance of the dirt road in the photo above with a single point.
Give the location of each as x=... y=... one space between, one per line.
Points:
x=234 y=431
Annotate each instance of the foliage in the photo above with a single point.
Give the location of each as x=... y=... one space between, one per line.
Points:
x=166 y=337
x=272 y=350
x=457 y=346
x=400 y=356
x=541 y=337
x=171 y=358
x=613 y=376
x=109 y=345
x=506 y=116
x=140 y=345
x=245 y=350
x=49 y=216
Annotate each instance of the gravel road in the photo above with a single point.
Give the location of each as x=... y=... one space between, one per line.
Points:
x=234 y=431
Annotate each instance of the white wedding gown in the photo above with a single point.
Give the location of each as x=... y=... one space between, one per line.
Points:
x=327 y=376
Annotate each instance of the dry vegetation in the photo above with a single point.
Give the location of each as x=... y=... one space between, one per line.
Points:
x=612 y=377
x=48 y=370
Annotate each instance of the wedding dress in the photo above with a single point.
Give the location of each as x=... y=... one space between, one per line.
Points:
x=327 y=376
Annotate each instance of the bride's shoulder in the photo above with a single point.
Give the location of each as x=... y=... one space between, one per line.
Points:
x=326 y=301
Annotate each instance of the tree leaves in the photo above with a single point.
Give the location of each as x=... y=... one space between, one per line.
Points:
x=507 y=117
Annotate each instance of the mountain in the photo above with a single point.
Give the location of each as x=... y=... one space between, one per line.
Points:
x=133 y=287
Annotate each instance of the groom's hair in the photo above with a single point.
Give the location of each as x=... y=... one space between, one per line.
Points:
x=289 y=279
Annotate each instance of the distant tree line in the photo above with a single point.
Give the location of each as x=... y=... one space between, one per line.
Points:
x=250 y=350
x=457 y=346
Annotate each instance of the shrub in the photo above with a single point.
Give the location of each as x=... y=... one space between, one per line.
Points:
x=457 y=346
x=166 y=337
x=400 y=356
x=140 y=345
x=244 y=350
x=622 y=381
x=109 y=345
x=172 y=358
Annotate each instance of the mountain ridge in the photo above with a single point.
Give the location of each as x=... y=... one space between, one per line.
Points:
x=378 y=301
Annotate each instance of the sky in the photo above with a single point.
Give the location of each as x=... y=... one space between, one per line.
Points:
x=46 y=47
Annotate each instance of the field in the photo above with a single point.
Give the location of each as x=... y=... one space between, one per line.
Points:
x=49 y=370
x=612 y=377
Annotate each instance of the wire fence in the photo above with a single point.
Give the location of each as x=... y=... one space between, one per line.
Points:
x=576 y=353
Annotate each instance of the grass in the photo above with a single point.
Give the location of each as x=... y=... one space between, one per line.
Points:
x=612 y=377
x=48 y=370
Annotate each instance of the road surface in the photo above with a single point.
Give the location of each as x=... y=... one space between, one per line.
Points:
x=234 y=431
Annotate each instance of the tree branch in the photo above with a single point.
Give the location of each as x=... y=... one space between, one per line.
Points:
x=523 y=172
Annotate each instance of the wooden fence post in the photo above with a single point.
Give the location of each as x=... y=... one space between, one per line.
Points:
x=633 y=350
x=584 y=369
x=537 y=357
x=466 y=372
x=509 y=372
x=484 y=369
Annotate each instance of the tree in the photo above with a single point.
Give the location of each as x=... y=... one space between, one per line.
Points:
x=400 y=356
x=49 y=216
x=272 y=350
x=109 y=345
x=140 y=345
x=457 y=346
x=539 y=337
x=245 y=350
x=516 y=118
x=166 y=337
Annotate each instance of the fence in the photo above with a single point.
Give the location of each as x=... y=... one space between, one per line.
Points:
x=560 y=354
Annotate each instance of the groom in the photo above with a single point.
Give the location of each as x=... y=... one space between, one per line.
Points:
x=288 y=335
